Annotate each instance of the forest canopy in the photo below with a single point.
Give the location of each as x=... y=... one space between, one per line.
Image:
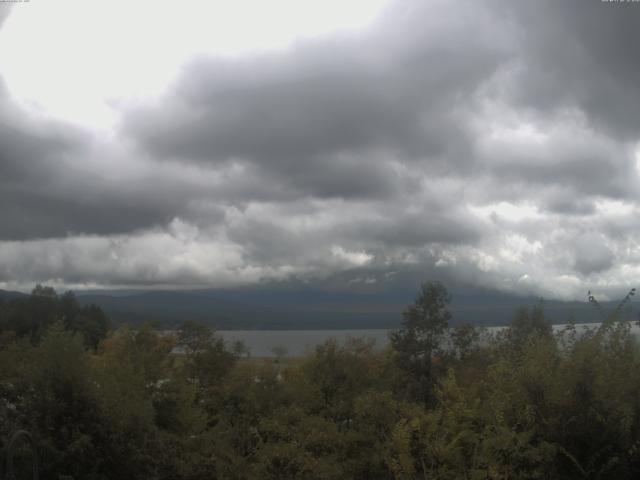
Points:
x=439 y=402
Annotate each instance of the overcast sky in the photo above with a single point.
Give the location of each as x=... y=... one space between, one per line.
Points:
x=195 y=144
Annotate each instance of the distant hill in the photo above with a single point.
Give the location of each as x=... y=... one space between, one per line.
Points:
x=9 y=295
x=300 y=308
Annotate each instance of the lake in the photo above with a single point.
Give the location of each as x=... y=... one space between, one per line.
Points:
x=298 y=342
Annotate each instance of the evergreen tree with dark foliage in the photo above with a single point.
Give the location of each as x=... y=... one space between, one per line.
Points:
x=418 y=341
x=30 y=317
x=528 y=323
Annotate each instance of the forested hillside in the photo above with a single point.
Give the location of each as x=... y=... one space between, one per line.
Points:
x=116 y=404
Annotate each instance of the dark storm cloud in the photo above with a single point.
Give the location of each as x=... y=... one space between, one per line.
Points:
x=328 y=117
x=43 y=212
x=578 y=159
x=51 y=184
x=565 y=202
x=580 y=54
x=30 y=157
x=492 y=142
x=433 y=224
x=24 y=145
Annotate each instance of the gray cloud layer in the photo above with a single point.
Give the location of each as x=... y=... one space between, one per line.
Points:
x=490 y=142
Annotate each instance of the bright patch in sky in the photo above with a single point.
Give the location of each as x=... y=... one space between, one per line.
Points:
x=506 y=211
x=614 y=207
x=76 y=59
x=355 y=258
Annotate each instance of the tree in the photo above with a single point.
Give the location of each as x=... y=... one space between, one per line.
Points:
x=194 y=337
x=88 y=320
x=337 y=374
x=464 y=338
x=31 y=317
x=529 y=323
x=207 y=359
x=418 y=341
x=44 y=292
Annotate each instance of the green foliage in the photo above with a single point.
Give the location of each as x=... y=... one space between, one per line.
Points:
x=528 y=323
x=144 y=404
x=335 y=374
x=31 y=317
x=464 y=340
x=419 y=340
x=206 y=361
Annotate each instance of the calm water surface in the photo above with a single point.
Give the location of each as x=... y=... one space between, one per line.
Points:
x=261 y=343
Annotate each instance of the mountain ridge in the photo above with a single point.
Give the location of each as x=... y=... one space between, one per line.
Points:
x=301 y=307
